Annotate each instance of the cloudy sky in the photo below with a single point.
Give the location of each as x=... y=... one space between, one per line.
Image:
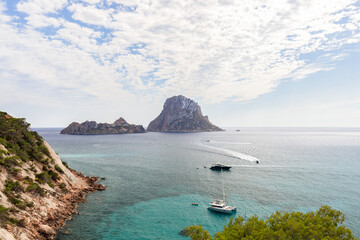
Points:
x=247 y=63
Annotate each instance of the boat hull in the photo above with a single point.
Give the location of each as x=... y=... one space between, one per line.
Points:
x=219 y=210
x=217 y=168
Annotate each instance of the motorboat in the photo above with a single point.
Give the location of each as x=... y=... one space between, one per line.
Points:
x=219 y=166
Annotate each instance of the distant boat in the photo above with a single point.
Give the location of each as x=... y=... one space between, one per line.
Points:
x=237 y=130
x=195 y=204
x=219 y=166
x=207 y=140
x=220 y=206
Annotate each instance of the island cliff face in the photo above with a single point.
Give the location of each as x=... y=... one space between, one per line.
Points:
x=38 y=192
x=181 y=114
x=120 y=126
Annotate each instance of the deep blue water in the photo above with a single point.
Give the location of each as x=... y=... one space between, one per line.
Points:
x=153 y=178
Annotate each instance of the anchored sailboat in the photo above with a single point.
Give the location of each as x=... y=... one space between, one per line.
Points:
x=219 y=205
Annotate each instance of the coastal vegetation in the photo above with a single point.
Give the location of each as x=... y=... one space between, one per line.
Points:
x=325 y=223
x=33 y=180
x=21 y=145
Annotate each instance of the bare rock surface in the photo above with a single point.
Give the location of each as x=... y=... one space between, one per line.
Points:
x=181 y=114
x=120 y=126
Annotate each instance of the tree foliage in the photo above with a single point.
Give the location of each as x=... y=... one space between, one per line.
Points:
x=16 y=136
x=325 y=223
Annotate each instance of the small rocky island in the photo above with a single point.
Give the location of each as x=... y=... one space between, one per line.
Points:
x=120 y=126
x=181 y=114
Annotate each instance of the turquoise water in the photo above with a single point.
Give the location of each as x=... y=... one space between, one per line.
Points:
x=153 y=178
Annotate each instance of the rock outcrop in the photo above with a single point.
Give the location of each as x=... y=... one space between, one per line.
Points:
x=181 y=114
x=120 y=126
x=38 y=192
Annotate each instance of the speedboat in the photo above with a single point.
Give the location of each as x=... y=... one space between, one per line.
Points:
x=220 y=206
x=219 y=166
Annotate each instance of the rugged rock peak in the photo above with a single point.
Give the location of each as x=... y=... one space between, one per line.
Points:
x=181 y=114
x=180 y=102
x=120 y=126
x=120 y=121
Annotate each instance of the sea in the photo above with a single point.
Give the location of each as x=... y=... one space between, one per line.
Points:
x=152 y=179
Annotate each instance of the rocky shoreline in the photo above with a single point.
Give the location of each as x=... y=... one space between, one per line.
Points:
x=45 y=227
x=58 y=218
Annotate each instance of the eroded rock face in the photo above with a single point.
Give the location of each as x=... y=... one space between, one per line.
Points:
x=181 y=114
x=38 y=192
x=120 y=126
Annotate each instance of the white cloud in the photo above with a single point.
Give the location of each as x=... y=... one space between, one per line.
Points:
x=40 y=21
x=40 y=6
x=212 y=50
x=89 y=14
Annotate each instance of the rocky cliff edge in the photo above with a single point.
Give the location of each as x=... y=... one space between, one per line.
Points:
x=38 y=192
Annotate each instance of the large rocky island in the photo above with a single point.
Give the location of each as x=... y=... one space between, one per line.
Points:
x=38 y=192
x=181 y=114
x=120 y=126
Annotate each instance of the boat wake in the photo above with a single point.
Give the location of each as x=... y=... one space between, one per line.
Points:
x=236 y=143
x=235 y=154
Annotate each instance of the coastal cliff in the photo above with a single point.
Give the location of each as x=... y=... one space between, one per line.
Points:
x=120 y=126
x=38 y=192
x=181 y=114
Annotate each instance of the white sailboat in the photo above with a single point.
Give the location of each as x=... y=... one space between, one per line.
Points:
x=219 y=205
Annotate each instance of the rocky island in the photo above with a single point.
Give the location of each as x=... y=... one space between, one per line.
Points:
x=38 y=192
x=120 y=126
x=181 y=114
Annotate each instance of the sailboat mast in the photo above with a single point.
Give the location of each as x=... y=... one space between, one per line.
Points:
x=222 y=179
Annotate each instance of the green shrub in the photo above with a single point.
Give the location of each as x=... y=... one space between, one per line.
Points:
x=62 y=186
x=14 y=171
x=15 y=200
x=326 y=223
x=11 y=186
x=2 y=153
x=44 y=150
x=11 y=161
x=65 y=164
x=59 y=169
x=35 y=188
x=3 y=141
x=53 y=175
x=29 y=204
x=28 y=179
x=13 y=220
x=4 y=213
x=43 y=177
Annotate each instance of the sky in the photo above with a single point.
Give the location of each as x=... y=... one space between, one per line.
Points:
x=247 y=63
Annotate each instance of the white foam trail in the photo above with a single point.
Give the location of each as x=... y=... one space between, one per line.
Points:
x=237 y=143
x=242 y=156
